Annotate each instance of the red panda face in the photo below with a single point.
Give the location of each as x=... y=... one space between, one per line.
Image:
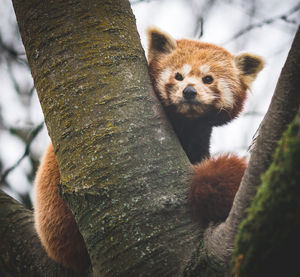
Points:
x=192 y=79
x=193 y=76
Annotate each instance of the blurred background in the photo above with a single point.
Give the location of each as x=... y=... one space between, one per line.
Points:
x=266 y=28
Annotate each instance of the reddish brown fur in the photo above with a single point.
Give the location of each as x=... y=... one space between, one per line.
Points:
x=237 y=71
x=196 y=53
x=215 y=183
x=54 y=221
x=213 y=103
x=216 y=180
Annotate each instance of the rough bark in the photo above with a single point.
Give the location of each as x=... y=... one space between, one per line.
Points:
x=219 y=240
x=268 y=240
x=123 y=172
x=21 y=252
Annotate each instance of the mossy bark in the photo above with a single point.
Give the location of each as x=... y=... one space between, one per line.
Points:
x=219 y=240
x=21 y=252
x=268 y=241
x=123 y=172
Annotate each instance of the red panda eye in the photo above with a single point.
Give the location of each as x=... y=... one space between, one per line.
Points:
x=178 y=76
x=207 y=79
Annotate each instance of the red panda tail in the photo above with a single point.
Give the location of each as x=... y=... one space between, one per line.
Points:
x=214 y=185
x=54 y=220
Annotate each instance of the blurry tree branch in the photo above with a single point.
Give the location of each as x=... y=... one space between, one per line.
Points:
x=11 y=52
x=199 y=29
x=32 y=136
x=132 y=2
x=202 y=13
x=20 y=89
x=253 y=113
x=284 y=17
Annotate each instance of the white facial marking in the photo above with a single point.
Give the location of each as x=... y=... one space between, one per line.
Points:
x=186 y=69
x=162 y=80
x=165 y=75
x=204 y=69
x=227 y=100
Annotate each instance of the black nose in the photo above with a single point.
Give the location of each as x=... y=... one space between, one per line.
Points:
x=189 y=93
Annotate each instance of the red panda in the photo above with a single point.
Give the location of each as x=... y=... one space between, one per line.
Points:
x=214 y=185
x=54 y=221
x=200 y=85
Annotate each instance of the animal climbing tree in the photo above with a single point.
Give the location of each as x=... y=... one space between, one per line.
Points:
x=123 y=173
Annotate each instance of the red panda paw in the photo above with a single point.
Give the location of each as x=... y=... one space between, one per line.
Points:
x=214 y=185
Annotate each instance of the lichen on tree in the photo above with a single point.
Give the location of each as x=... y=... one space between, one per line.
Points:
x=263 y=246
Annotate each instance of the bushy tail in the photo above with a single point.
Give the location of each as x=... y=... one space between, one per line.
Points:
x=54 y=220
x=215 y=183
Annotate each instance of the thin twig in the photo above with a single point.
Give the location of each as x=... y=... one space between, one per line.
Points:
x=253 y=113
x=132 y=2
x=33 y=134
x=199 y=28
x=12 y=52
x=268 y=21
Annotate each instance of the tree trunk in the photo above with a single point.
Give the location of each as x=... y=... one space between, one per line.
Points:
x=268 y=241
x=123 y=172
x=219 y=240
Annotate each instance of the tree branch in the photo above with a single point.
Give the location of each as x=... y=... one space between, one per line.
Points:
x=268 y=21
x=33 y=134
x=21 y=253
x=11 y=52
x=123 y=172
x=268 y=241
x=219 y=240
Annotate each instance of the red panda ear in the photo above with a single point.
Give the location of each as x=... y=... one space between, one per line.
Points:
x=249 y=65
x=159 y=43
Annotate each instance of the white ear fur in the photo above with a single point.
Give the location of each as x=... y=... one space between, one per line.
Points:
x=159 y=43
x=249 y=65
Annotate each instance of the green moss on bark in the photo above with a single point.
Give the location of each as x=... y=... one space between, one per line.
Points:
x=268 y=240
